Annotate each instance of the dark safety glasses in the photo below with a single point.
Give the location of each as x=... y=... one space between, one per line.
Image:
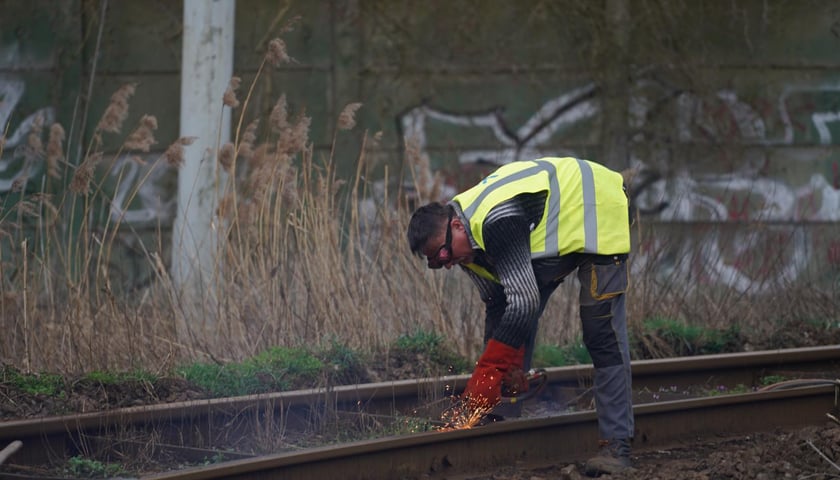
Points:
x=444 y=253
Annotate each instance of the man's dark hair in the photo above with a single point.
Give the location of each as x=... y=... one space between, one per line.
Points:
x=425 y=222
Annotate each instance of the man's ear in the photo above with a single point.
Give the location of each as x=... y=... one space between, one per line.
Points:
x=456 y=223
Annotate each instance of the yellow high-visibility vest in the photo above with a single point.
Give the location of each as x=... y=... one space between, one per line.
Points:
x=585 y=207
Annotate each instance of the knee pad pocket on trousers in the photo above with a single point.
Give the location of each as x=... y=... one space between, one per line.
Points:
x=598 y=335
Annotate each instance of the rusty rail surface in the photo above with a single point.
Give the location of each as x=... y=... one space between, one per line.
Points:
x=559 y=439
x=56 y=437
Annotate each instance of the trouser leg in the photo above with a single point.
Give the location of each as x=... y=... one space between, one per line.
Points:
x=604 y=324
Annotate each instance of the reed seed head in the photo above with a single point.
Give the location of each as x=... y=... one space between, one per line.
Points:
x=276 y=53
x=229 y=97
x=249 y=138
x=347 y=118
x=226 y=156
x=296 y=137
x=279 y=118
x=55 y=147
x=84 y=174
x=117 y=111
x=174 y=154
x=143 y=137
x=33 y=139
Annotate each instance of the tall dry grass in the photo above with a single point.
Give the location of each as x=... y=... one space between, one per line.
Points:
x=304 y=257
x=298 y=263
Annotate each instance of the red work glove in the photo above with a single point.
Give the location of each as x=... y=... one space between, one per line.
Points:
x=484 y=389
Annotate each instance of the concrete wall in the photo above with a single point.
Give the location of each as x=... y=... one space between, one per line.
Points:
x=733 y=124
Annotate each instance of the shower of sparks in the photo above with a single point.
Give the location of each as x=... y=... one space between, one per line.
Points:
x=464 y=414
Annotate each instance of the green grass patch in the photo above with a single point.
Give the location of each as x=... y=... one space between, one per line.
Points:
x=433 y=347
x=276 y=369
x=36 y=384
x=86 y=468
x=772 y=379
x=574 y=353
x=342 y=364
x=666 y=337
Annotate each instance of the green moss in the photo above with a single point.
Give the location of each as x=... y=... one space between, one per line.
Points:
x=276 y=369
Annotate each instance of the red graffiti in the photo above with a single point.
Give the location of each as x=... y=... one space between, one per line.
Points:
x=739 y=212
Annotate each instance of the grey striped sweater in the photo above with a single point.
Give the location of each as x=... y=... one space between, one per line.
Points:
x=513 y=306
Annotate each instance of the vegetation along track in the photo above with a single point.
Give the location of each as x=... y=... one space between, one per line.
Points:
x=304 y=434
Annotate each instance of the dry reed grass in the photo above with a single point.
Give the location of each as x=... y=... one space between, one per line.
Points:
x=298 y=264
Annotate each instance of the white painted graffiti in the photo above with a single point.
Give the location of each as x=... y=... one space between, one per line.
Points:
x=822 y=120
x=682 y=195
x=781 y=247
x=12 y=89
x=14 y=145
x=138 y=195
x=141 y=185
x=526 y=142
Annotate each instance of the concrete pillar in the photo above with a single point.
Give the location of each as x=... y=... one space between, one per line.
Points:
x=207 y=67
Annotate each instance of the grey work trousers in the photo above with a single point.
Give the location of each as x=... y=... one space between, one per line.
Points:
x=603 y=283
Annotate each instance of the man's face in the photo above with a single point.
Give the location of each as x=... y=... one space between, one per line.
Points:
x=442 y=255
x=449 y=247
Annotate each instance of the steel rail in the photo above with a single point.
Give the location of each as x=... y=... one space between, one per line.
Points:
x=559 y=439
x=53 y=436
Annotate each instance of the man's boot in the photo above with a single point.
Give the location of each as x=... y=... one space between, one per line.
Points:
x=613 y=457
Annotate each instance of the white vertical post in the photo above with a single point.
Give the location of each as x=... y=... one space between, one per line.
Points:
x=207 y=67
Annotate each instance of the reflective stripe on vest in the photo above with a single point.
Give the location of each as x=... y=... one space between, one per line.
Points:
x=553 y=214
x=590 y=216
x=581 y=223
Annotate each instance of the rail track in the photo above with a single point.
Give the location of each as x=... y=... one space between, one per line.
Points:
x=283 y=435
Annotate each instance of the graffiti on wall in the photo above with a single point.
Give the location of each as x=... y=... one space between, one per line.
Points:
x=136 y=191
x=750 y=188
x=753 y=186
x=527 y=141
x=16 y=166
x=140 y=197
